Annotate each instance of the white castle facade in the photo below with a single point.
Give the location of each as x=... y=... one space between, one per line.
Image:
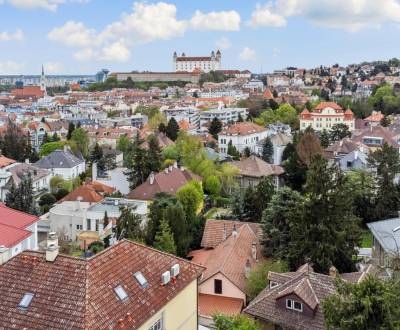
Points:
x=185 y=63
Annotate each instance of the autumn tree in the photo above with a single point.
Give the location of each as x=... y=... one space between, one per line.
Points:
x=308 y=147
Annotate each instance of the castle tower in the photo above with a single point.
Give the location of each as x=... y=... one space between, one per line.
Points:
x=43 y=81
x=174 y=58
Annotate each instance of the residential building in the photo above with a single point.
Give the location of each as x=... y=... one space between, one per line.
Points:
x=225 y=115
x=375 y=136
x=230 y=249
x=127 y=286
x=386 y=242
x=62 y=163
x=326 y=115
x=167 y=181
x=242 y=135
x=293 y=300
x=190 y=115
x=185 y=63
x=253 y=169
x=279 y=142
x=18 y=232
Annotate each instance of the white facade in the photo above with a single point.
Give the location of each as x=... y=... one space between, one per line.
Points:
x=225 y=115
x=241 y=141
x=68 y=173
x=190 y=64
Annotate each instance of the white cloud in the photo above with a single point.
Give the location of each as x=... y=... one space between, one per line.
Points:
x=85 y=54
x=221 y=21
x=11 y=67
x=51 y=5
x=223 y=43
x=117 y=51
x=74 y=34
x=275 y=52
x=263 y=16
x=247 y=54
x=18 y=35
x=351 y=15
x=53 y=68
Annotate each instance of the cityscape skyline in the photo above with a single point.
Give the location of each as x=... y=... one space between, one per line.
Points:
x=64 y=37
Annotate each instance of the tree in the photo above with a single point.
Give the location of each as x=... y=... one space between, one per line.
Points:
x=191 y=196
x=258 y=278
x=172 y=129
x=284 y=212
x=129 y=225
x=55 y=137
x=154 y=157
x=215 y=127
x=369 y=304
x=162 y=128
x=339 y=132
x=46 y=201
x=123 y=144
x=257 y=199
x=240 y=118
x=295 y=169
x=164 y=239
x=80 y=137
x=21 y=197
x=386 y=161
x=97 y=156
x=14 y=143
x=106 y=238
x=48 y=148
x=71 y=128
x=325 y=138
x=329 y=230
x=308 y=147
x=267 y=150
x=138 y=163
x=212 y=185
x=238 y=322
x=232 y=151
x=247 y=152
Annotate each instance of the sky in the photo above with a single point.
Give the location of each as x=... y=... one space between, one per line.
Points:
x=83 y=36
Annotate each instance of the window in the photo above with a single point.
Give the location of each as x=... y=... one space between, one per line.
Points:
x=141 y=279
x=88 y=224
x=295 y=305
x=158 y=325
x=79 y=227
x=218 y=286
x=26 y=300
x=121 y=293
x=273 y=284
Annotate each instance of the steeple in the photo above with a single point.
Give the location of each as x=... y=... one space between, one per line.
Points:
x=43 y=81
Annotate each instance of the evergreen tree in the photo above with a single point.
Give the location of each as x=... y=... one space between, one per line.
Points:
x=247 y=152
x=154 y=156
x=164 y=239
x=232 y=151
x=162 y=128
x=138 y=163
x=81 y=138
x=14 y=143
x=55 y=137
x=106 y=239
x=329 y=231
x=129 y=225
x=295 y=169
x=339 y=132
x=46 y=138
x=97 y=156
x=267 y=150
x=215 y=127
x=172 y=129
x=325 y=138
x=237 y=205
x=21 y=198
x=71 y=128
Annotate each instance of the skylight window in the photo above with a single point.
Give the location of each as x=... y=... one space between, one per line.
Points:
x=141 y=279
x=26 y=300
x=121 y=293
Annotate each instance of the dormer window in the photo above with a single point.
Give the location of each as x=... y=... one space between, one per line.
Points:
x=273 y=284
x=294 y=305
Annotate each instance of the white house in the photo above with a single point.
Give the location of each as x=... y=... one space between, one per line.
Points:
x=18 y=232
x=225 y=115
x=241 y=135
x=62 y=163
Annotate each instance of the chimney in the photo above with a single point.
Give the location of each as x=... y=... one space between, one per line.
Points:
x=78 y=203
x=27 y=161
x=333 y=272
x=247 y=269
x=224 y=234
x=151 y=178
x=94 y=171
x=234 y=231
x=4 y=254
x=254 y=250
x=166 y=170
x=52 y=247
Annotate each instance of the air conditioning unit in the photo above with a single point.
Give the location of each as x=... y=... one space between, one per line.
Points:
x=165 y=278
x=175 y=270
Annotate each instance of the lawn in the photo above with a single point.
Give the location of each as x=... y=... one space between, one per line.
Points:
x=366 y=239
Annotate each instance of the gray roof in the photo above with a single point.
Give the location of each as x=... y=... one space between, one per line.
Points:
x=384 y=234
x=59 y=159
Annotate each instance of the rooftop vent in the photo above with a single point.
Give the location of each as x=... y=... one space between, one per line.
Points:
x=175 y=269
x=26 y=300
x=121 y=293
x=141 y=279
x=165 y=278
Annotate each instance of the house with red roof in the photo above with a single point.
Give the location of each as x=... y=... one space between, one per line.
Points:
x=325 y=116
x=18 y=232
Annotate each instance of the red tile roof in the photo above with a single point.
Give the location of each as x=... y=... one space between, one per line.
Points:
x=212 y=304
x=332 y=105
x=256 y=167
x=15 y=218
x=11 y=236
x=73 y=293
x=243 y=128
x=85 y=193
x=4 y=161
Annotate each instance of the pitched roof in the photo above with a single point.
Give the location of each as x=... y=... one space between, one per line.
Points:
x=243 y=128
x=213 y=233
x=59 y=159
x=85 y=193
x=4 y=161
x=163 y=182
x=256 y=167
x=20 y=171
x=231 y=256
x=377 y=131
x=324 y=105
x=73 y=293
x=10 y=236
x=383 y=232
x=15 y=218
x=212 y=304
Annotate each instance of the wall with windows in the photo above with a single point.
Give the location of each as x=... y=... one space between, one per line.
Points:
x=228 y=288
x=179 y=314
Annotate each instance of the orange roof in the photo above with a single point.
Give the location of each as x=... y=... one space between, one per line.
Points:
x=332 y=105
x=268 y=95
x=101 y=187
x=212 y=304
x=376 y=116
x=4 y=161
x=243 y=128
x=85 y=193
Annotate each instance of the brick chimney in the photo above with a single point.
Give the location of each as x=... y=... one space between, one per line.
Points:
x=151 y=178
x=247 y=269
x=52 y=247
